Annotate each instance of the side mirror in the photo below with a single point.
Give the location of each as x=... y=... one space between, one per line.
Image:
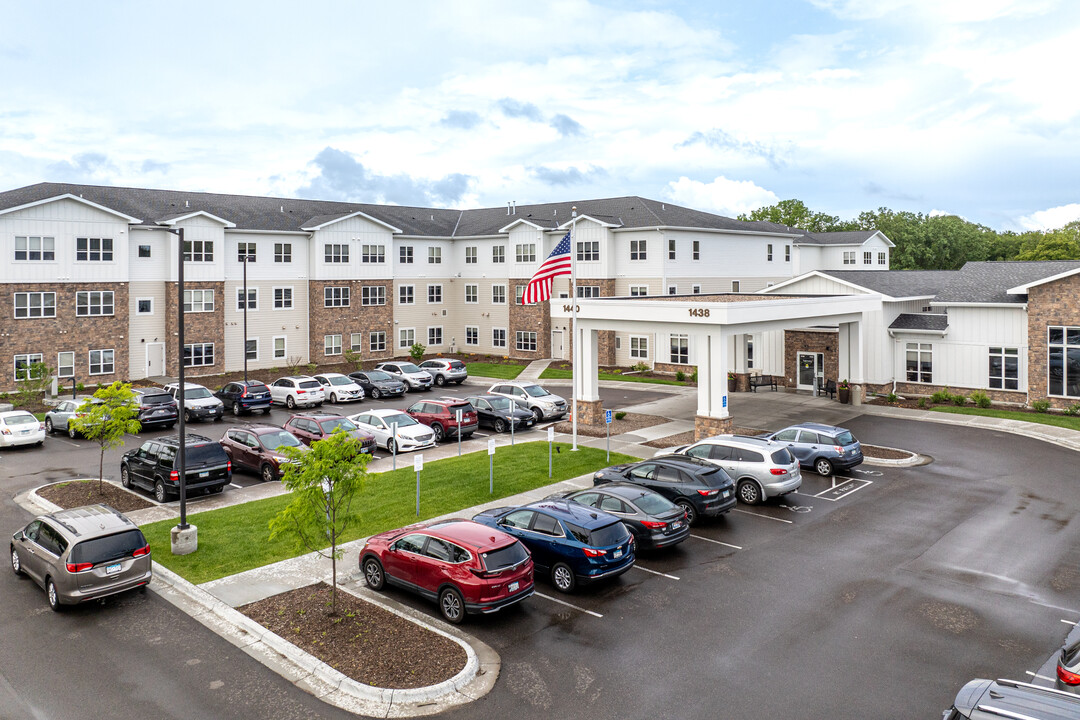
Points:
x=20 y=535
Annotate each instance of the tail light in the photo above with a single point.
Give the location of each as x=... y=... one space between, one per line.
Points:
x=1067 y=677
x=174 y=476
x=4 y=431
x=139 y=552
x=228 y=466
x=485 y=573
x=654 y=525
x=839 y=450
x=589 y=552
x=41 y=426
x=244 y=394
x=301 y=392
x=79 y=567
x=707 y=493
x=778 y=471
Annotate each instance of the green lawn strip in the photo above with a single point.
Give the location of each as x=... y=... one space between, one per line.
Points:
x=560 y=374
x=1064 y=421
x=236 y=538
x=495 y=370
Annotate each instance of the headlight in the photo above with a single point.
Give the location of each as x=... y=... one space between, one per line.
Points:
x=278 y=458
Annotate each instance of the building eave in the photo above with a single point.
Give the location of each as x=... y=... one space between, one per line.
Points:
x=76 y=198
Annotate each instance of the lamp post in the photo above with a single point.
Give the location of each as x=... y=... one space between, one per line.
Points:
x=245 y=260
x=184 y=537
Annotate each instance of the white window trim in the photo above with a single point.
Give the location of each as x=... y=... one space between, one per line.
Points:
x=695 y=289
x=517 y=340
x=736 y=286
x=75 y=257
x=476 y=294
x=642 y=251
x=376 y=247
x=90 y=365
x=337 y=287
x=326 y=344
x=31 y=317
x=442 y=336
x=412 y=298
x=284 y=347
x=358 y=347
x=475 y=328
x=258 y=349
x=672 y=289
x=139 y=300
x=366 y=289
x=405 y=329
x=506 y=337
x=283 y=255
x=252 y=252
x=59 y=364
x=504 y=298
x=639 y=288
x=202 y=344
x=292 y=297
x=429 y=289
x=42 y=238
x=29 y=361
x=240 y=290
x=89 y=306
x=202 y=302
x=630 y=347
x=371 y=345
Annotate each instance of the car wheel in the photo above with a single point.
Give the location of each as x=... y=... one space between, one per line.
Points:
x=749 y=492
x=437 y=429
x=159 y=491
x=538 y=415
x=71 y=431
x=266 y=410
x=16 y=564
x=466 y=436
x=48 y=426
x=267 y=473
x=440 y=380
x=52 y=595
x=373 y=574
x=452 y=606
x=187 y=416
x=823 y=467
x=500 y=426
x=390 y=445
x=125 y=476
x=562 y=577
x=333 y=398
x=290 y=403
x=375 y=394
x=690 y=510
x=236 y=409
x=460 y=381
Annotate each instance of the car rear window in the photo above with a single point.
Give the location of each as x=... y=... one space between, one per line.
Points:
x=257 y=387
x=612 y=534
x=457 y=364
x=20 y=420
x=782 y=457
x=310 y=384
x=463 y=407
x=845 y=438
x=156 y=398
x=205 y=454
x=505 y=556
x=109 y=547
x=654 y=504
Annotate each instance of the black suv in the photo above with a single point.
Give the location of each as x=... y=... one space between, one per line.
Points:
x=151 y=466
x=988 y=699
x=156 y=407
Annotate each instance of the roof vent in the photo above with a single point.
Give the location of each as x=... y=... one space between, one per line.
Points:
x=514 y=205
x=186 y=204
x=663 y=206
x=508 y=207
x=432 y=217
x=282 y=208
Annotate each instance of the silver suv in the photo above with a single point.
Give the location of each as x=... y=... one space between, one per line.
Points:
x=445 y=371
x=532 y=397
x=198 y=402
x=82 y=554
x=761 y=468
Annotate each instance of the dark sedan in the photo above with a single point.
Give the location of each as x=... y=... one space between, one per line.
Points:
x=653 y=520
x=700 y=488
x=497 y=412
x=378 y=384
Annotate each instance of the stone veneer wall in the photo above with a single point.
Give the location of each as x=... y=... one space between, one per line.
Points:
x=355 y=318
x=605 y=339
x=591 y=412
x=528 y=318
x=907 y=389
x=816 y=341
x=199 y=327
x=1051 y=304
x=66 y=332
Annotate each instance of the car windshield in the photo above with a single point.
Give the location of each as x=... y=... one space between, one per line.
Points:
x=535 y=391
x=197 y=394
x=500 y=403
x=307 y=384
x=845 y=438
x=782 y=457
x=401 y=419
x=654 y=504
x=612 y=534
x=340 y=380
x=409 y=368
x=330 y=426
x=279 y=439
x=505 y=556
x=376 y=375
x=20 y=420
x=110 y=547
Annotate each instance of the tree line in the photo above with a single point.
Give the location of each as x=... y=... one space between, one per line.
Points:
x=938 y=242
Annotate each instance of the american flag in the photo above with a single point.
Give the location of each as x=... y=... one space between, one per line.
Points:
x=558 y=263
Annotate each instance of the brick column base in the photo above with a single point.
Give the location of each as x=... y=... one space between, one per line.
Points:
x=742 y=382
x=590 y=412
x=705 y=426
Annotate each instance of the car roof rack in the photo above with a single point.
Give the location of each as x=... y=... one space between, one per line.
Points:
x=1040 y=688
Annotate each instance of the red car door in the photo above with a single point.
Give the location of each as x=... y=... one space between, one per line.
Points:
x=433 y=566
x=399 y=562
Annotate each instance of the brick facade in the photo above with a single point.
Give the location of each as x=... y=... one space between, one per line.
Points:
x=705 y=426
x=199 y=327
x=66 y=332
x=355 y=318
x=815 y=341
x=906 y=389
x=605 y=339
x=1050 y=304
x=591 y=412
x=528 y=318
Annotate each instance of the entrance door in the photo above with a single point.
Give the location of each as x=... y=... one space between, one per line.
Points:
x=155 y=359
x=557 y=345
x=811 y=367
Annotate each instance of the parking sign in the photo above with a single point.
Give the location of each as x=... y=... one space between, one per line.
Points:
x=418 y=462
x=607 y=416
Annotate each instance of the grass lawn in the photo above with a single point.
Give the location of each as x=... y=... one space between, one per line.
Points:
x=1071 y=422
x=500 y=371
x=560 y=374
x=236 y=538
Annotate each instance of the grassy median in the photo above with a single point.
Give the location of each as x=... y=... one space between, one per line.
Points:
x=1071 y=422
x=499 y=371
x=237 y=538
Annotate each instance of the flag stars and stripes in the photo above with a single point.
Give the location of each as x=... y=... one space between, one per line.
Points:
x=557 y=263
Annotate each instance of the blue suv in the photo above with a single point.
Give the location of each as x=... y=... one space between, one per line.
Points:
x=825 y=448
x=575 y=544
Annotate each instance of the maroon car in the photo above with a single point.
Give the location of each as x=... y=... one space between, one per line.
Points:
x=258 y=448
x=464 y=566
x=441 y=417
x=309 y=427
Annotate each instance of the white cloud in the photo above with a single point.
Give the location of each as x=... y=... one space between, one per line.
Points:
x=951 y=11
x=1051 y=218
x=722 y=196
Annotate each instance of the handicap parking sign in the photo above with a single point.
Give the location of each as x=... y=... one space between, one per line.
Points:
x=607 y=416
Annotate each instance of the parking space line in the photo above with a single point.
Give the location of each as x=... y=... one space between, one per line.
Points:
x=563 y=602
x=846 y=481
x=1068 y=622
x=767 y=517
x=654 y=572
x=234 y=485
x=1041 y=677
x=699 y=537
x=67 y=441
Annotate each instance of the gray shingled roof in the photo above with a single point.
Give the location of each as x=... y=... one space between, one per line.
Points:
x=896 y=283
x=857 y=237
x=916 y=321
x=986 y=282
x=287 y=214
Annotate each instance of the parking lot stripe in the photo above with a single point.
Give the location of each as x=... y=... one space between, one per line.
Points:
x=238 y=487
x=767 y=517
x=654 y=572
x=1041 y=677
x=1068 y=622
x=699 y=537
x=69 y=442
x=563 y=602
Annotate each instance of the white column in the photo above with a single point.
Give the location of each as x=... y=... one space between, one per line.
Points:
x=843 y=352
x=739 y=358
x=704 y=374
x=587 y=375
x=713 y=361
x=851 y=352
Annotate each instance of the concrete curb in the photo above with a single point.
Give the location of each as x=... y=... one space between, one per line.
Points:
x=324 y=682
x=915 y=459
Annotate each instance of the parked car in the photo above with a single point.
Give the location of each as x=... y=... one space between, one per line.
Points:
x=760 y=468
x=198 y=403
x=498 y=412
x=825 y=448
x=445 y=371
x=462 y=565
x=58 y=419
x=1012 y=699
x=151 y=466
x=297 y=391
x=258 y=448
x=573 y=544
x=653 y=520
x=340 y=388
x=542 y=404
x=85 y=553
x=156 y=408
x=312 y=427
x=245 y=396
x=1068 y=668
x=411 y=435
x=408 y=373
x=18 y=427
x=378 y=384
x=699 y=488
x=441 y=416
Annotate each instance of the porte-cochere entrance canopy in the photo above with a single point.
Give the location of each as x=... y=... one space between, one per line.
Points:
x=710 y=328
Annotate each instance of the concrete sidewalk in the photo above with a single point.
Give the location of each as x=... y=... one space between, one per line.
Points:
x=532 y=370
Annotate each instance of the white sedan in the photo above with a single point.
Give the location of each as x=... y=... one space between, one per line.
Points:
x=339 y=388
x=411 y=435
x=18 y=427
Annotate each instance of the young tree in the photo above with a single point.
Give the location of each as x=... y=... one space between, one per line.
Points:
x=323 y=481
x=417 y=352
x=33 y=379
x=106 y=421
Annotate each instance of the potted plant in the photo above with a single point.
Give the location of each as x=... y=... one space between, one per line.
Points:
x=732 y=382
x=843 y=392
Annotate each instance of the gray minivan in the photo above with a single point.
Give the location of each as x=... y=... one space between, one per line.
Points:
x=82 y=554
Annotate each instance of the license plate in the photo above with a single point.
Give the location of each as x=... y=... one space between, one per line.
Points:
x=676 y=525
x=112 y=569
x=726 y=493
x=617 y=554
x=161 y=412
x=512 y=587
x=204 y=474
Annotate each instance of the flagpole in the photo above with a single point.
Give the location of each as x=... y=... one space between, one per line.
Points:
x=574 y=347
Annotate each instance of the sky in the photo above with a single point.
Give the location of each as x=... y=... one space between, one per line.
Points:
x=965 y=107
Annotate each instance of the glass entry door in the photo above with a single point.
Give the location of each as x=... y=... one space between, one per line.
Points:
x=811 y=367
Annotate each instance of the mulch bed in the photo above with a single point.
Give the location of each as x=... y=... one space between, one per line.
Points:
x=616 y=370
x=85 y=492
x=630 y=423
x=364 y=641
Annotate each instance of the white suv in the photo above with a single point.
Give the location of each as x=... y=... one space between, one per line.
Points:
x=198 y=402
x=339 y=388
x=544 y=405
x=297 y=390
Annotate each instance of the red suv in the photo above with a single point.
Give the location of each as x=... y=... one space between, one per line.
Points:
x=441 y=417
x=310 y=427
x=464 y=566
x=258 y=448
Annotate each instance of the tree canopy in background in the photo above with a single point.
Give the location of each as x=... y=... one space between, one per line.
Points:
x=933 y=242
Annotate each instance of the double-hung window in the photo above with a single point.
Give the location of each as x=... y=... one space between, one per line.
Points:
x=525 y=341
x=405 y=295
x=498 y=294
x=1004 y=371
x=102 y=362
x=24 y=365
x=283 y=298
x=332 y=345
x=93 y=249
x=35 y=305
x=471 y=294
x=434 y=294
x=377 y=341
x=920 y=362
x=373 y=254
x=639 y=347
x=470 y=255
x=245 y=250
x=93 y=302
x=525 y=253
x=33 y=247
x=588 y=251
x=639 y=249
x=373 y=295
x=336 y=296
x=849 y=257
x=405 y=254
x=680 y=349
x=472 y=335
x=252 y=298
x=283 y=252
x=434 y=255
x=198 y=251
x=406 y=337
x=498 y=337
x=336 y=252
x=198 y=354
x=498 y=254
x=671 y=249
x=434 y=336
x=198 y=301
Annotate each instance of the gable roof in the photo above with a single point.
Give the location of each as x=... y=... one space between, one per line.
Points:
x=46 y=198
x=320 y=221
x=990 y=282
x=174 y=218
x=890 y=283
x=921 y=322
x=855 y=237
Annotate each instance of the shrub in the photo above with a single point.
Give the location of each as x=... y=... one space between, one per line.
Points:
x=958 y=400
x=312 y=367
x=416 y=352
x=35 y=381
x=1073 y=409
x=1040 y=405
x=680 y=376
x=353 y=358
x=921 y=402
x=980 y=399
x=941 y=396
x=620 y=415
x=693 y=376
x=79 y=387
x=891 y=397
x=641 y=367
x=616 y=371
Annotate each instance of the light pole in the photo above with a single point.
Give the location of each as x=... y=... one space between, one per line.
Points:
x=246 y=257
x=184 y=537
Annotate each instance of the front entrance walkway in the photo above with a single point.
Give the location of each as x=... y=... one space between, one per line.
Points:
x=532 y=370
